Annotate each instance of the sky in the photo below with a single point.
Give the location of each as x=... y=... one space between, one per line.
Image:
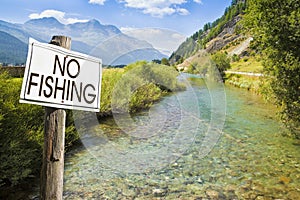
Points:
x=184 y=17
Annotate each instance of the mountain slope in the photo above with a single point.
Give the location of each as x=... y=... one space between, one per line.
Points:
x=213 y=36
x=11 y=49
x=125 y=50
x=15 y=30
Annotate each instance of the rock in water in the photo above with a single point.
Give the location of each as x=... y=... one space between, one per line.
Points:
x=212 y=194
x=159 y=193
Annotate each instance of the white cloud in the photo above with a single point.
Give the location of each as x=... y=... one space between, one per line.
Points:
x=198 y=1
x=60 y=16
x=164 y=40
x=158 y=8
x=48 y=13
x=183 y=11
x=178 y=36
x=159 y=12
x=100 y=2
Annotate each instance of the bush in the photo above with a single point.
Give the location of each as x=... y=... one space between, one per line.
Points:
x=22 y=135
x=235 y=58
x=222 y=63
x=109 y=79
x=142 y=84
x=21 y=127
x=245 y=59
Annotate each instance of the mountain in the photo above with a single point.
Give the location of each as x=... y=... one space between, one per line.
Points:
x=165 y=40
x=15 y=30
x=104 y=41
x=48 y=22
x=221 y=34
x=125 y=50
x=11 y=49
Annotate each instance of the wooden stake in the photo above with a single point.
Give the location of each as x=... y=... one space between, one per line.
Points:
x=54 y=144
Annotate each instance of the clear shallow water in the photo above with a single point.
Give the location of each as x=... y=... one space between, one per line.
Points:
x=166 y=153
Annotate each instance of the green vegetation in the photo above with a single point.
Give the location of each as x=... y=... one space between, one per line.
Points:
x=21 y=132
x=276 y=32
x=142 y=84
x=21 y=125
x=186 y=49
x=216 y=27
x=251 y=83
x=165 y=61
x=274 y=51
x=109 y=79
x=249 y=64
x=222 y=63
x=213 y=66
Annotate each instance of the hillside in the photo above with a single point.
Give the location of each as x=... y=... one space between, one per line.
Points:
x=11 y=49
x=222 y=34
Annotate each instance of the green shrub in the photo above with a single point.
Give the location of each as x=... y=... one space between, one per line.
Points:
x=144 y=97
x=109 y=79
x=222 y=63
x=142 y=84
x=245 y=59
x=235 y=58
x=21 y=127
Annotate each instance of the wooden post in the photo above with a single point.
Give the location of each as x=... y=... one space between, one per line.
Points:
x=54 y=144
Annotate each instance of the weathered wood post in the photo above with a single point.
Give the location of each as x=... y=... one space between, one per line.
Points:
x=54 y=142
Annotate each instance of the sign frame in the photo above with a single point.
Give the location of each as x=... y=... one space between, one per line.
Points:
x=32 y=67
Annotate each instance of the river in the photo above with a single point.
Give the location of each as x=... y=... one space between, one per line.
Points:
x=204 y=143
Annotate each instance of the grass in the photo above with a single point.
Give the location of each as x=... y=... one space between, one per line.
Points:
x=16 y=80
x=251 y=83
x=247 y=64
x=109 y=79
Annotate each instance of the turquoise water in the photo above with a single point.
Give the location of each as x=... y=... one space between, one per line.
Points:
x=195 y=144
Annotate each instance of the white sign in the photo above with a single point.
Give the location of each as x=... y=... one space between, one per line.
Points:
x=60 y=78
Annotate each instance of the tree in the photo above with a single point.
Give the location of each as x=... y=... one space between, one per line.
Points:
x=206 y=27
x=276 y=30
x=165 y=61
x=222 y=62
x=156 y=61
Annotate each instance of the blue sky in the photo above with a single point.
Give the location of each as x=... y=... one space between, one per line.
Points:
x=182 y=16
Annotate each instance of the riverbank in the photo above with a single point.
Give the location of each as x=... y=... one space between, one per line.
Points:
x=21 y=125
x=246 y=73
x=251 y=159
x=249 y=81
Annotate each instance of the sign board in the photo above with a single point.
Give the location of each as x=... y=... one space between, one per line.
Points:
x=60 y=78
